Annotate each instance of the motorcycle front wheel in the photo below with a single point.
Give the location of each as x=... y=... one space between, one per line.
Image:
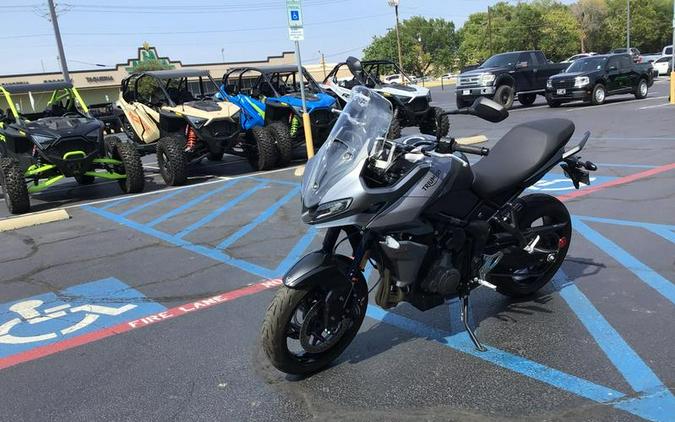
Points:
x=295 y=336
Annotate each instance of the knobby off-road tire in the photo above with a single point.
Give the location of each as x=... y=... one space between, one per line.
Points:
x=504 y=96
x=263 y=155
x=282 y=137
x=131 y=166
x=509 y=275
x=14 y=187
x=428 y=126
x=171 y=160
x=394 y=128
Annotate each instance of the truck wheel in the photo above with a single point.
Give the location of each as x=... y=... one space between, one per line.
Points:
x=527 y=99
x=171 y=160
x=642 y=89
x=263 y=155
x=552 y=103
x=282 y=137
x=14 y=187
x=599 y=94
x=461 y=103
x=394 y=128
x=131 y=166
x=504 y=96
x=428 y=126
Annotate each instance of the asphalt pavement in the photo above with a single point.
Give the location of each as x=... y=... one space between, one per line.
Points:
x=148 y=307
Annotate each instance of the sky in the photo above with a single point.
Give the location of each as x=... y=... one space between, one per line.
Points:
x=200 y=31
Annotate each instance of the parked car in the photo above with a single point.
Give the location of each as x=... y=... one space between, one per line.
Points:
x=503 y=77
x=634 y=52
x=577 y=57
x=595 y=78
x=667 y=50
x=664 y=65
x=651 y=57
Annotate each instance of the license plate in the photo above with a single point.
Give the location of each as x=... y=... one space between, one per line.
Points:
x=466 y=92
x=561 y=92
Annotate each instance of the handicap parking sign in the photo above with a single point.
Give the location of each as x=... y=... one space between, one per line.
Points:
x=295 y=15
x=49 y=318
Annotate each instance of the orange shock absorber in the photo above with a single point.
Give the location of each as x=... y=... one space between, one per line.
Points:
x=191 y=136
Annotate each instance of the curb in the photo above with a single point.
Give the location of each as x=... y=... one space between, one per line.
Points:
x=33 y=220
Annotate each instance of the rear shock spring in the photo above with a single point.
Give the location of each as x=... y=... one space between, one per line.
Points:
x=295 y=125
x=191 y=136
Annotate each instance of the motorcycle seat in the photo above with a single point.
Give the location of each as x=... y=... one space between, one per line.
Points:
x=519 y=155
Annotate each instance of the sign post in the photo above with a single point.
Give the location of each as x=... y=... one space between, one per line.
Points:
x=296 y=33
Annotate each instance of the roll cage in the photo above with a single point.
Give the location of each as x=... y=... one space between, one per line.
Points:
x=173 y=87
x=370 y=75
x=64 y=99
x=267 y=82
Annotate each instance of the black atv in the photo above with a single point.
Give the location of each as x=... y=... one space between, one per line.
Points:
x=173 y=112
x=64 y=140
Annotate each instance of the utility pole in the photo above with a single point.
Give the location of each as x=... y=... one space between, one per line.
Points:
x=323 y=64
x=628 y=26
x=490 y=29
x=672 y=63
x=59 y=43
x=394 y=4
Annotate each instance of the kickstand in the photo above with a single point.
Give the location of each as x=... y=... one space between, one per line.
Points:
x=465 y=320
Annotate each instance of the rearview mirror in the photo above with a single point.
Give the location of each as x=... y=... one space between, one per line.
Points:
x=488 y=110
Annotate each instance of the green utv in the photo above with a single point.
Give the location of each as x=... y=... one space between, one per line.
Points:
x=39 y=149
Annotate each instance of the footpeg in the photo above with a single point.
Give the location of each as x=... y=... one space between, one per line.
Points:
x=533 y=244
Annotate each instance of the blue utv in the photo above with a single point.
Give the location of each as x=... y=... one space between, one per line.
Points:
x=270 y=97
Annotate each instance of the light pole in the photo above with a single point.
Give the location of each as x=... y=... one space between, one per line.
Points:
x=628 y=26
x=394 y=4
x=59 y=43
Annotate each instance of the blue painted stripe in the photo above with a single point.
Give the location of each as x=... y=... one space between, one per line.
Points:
x=149 y=203
x=665 y=233
x=640 y=377
x=116 y=202
x=259 y=219
x=297 y=251
x=642 y=271
x=644 y=225
x=193 y=202
x=278 y=181
x=526 y=367
x=215 y=213
x=656 y=406
x=202 y=250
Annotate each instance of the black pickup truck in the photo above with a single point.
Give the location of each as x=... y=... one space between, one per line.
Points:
x=593 y=79
x=503 y=77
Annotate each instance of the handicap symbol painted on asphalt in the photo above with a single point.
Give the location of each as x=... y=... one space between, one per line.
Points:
x=560 y=183
x=49 y=318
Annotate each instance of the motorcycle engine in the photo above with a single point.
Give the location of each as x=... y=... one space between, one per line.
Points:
x=442 y=278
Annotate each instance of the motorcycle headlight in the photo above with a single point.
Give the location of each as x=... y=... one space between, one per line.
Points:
x=486 y=78
x=197 y=122
x=332 y=208
x=549 y=84
x=43 y=139
x=581 y=81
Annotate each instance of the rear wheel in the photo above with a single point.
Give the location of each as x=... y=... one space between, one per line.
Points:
x=131 y=166
x=14 y=187
x=429 y=125
x=263 y=154
x=282 y=138
x=642 y=89
x=504 y=96
x=527 y=99
x=295 y=336
x=599 y=94
x=171 y=160
x=521 y=274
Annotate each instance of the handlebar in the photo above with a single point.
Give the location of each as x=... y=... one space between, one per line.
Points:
x=468 y=149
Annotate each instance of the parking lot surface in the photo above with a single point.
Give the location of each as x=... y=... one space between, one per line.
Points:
x=148 y=307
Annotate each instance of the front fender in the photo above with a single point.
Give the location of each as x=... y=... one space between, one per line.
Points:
x=318 y=267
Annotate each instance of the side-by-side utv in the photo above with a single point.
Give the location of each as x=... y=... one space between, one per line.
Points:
x=173 y=112
x=39 y=148
x=270 y=97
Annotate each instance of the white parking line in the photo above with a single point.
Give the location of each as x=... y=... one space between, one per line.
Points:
x=614 y=103
x=654 y=106
x=528 y=108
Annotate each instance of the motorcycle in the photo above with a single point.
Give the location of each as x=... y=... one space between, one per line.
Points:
x=433 y=226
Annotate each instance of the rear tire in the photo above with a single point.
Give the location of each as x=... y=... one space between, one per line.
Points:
x=504 y=96
x=14 y=187
x=510 y=276
x=282 y=137
x=263 y=155
x=642 y=89
x=527 y=99
x=131 y=166
x=599 y=94
x=428 y=126
x=171 y=160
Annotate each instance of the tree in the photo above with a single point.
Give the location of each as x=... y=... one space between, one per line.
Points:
x=560 y=34
x=650 y=24
x=591 y=16
x=429 y=46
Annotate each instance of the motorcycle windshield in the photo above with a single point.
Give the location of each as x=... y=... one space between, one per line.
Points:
x=365 y=118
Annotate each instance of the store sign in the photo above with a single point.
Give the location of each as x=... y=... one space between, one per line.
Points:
x=98 y=79
x=148 y=54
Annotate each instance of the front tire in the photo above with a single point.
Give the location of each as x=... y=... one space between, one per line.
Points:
x=520 y=274
x=504 y=96
x=171 y=160
x=131 y=166
x=14 y=187
x=599 y=95
x=642 y=89
x=318 y=345
x=263 y=154
x=282 y=137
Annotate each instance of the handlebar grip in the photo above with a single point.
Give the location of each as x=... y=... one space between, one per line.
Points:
x=468 y=149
